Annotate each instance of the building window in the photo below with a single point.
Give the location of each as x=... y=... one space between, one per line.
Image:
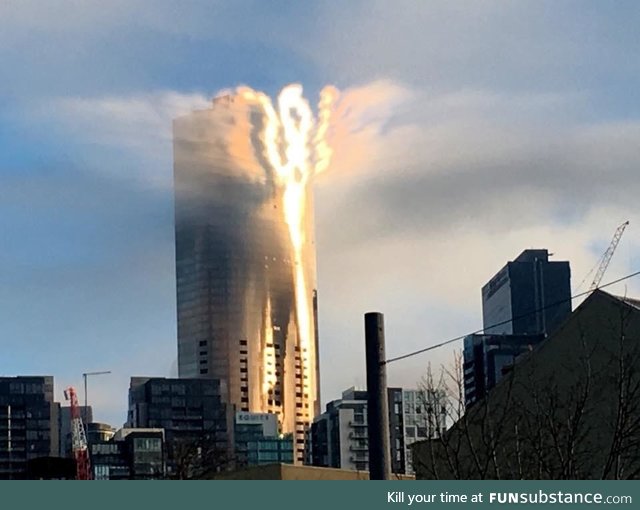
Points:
x=148 y=444
x=204 y=371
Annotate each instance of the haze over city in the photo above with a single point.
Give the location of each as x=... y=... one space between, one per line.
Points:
x=451 y=155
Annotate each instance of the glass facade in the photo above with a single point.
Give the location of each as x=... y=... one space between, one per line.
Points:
x=190 y=411
x=488 y=357
x=28 y=423
x=522 y=304
x=529 y=296
x=109 y=461
x=139 y=455
x=246 y=293
x=258 y=441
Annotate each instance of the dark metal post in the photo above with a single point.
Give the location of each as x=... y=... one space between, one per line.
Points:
x=378 y=405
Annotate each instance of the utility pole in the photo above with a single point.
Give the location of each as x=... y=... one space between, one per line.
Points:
x=377 y=405
x=86 y=398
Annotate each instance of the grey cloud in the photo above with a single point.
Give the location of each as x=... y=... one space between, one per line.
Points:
x=455 y=186
x=491 y=164
x=491 y=44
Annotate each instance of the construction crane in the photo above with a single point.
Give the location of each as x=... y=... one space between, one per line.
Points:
x=79 y=438
x=606 y=258
x=86 y=398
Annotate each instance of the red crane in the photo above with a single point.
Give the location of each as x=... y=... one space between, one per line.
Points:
x=79 y=439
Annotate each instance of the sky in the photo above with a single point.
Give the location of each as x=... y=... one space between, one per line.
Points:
x=468 y=132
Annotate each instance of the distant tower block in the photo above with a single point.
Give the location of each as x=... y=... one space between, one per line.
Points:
x=529 y=296
x=246 y=299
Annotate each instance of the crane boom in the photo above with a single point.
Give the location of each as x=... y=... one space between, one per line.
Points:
x=606 y=258
x=79 y=438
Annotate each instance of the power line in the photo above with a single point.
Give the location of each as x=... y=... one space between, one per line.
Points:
x=441 y=344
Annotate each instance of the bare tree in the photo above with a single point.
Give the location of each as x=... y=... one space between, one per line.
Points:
x=568 y=412
x=199 y=456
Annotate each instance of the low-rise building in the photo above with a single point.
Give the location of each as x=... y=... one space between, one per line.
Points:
x=135 y=454
x=198 y=424
x=295 y=472
x=339 y=437
x=488 y=357
x=258 y=440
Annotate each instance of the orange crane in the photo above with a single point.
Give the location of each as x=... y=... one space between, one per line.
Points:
x=79 y=438
x=606 y=258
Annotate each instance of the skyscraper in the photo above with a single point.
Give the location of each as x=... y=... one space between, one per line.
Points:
x=245 y=264
x=521 y=305
x=528 y=296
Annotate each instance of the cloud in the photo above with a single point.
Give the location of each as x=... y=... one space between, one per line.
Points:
x=438 y=160
x=441 y=190
x=130 y=128
x=93 y=16
x=443 y=44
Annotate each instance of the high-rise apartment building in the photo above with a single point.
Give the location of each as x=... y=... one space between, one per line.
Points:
x=521 y=305
x=28 y=423
x=529 y=296
x=245 y=267
x=339 y=437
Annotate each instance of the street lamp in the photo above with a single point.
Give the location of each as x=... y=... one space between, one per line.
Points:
x=86 y=405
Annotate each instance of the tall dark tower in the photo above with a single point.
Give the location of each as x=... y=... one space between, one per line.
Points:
x=531 y=292
x=246 y=285
x=521 y=305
